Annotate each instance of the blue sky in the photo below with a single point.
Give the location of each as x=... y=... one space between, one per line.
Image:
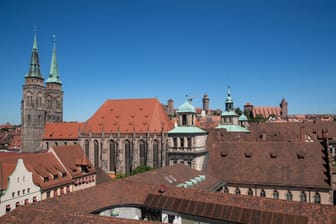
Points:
x=264 y=50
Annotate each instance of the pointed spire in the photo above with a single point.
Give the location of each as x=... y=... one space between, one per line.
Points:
x=53 y=75
x=34 y=69
x=35 y=42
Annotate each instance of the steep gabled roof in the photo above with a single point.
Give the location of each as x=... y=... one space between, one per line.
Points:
x=62 y=130
x=266 y=111
x=129 y=116
x=73 y=157
x=43 y=165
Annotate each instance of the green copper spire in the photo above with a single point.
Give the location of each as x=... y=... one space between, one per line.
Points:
x=34 y=69
x=229 y=101
x=53 y=75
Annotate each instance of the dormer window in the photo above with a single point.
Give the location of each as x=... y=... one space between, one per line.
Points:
x=300 y=154
x=84 y=169
x=56 y=177
x=248 y=154
x=46 y=179
x=273 y=155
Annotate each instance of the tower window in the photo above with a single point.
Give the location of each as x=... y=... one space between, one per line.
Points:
x=184 y=119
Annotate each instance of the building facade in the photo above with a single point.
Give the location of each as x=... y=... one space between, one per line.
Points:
x=18 y=188
x=40 y=103
x=187 y=142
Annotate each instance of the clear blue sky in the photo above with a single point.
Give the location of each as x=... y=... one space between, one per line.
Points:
x=264 y=50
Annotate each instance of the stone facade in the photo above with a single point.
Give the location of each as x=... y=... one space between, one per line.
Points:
x=39 y=103
x=122 y=153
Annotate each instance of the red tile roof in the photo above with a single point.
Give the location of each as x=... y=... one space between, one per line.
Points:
x=292 y=164
x=43 y=165
x=174 y=175
x=6 y=169
x=201 y=203
x=266 y=111
x=72 y=157
x=129 y=116
x=62 y=130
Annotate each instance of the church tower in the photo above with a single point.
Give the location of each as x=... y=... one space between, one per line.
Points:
x=33 y=111
x=54 y=93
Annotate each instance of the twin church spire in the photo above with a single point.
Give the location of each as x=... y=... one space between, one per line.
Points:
x=34 y=69
x=40 y=103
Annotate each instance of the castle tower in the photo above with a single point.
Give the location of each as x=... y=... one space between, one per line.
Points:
x=284 y=108
x=170 y=108
x=206 y=103
x=33 y=113
x=54 y=93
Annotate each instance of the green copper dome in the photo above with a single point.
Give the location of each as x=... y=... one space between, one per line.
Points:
x=242 y=118
x=186 y=108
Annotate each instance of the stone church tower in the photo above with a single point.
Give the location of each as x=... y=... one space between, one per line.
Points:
x=39 y=103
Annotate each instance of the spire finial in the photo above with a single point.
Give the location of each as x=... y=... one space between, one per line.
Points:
x=35 y=39
x=54 y=39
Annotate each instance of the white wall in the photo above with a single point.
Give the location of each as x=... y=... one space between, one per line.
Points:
x=20 y=188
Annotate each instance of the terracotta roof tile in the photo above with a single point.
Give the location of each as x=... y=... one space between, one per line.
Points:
x=62 y=130
x=82 y=204
x=128 y=116
x=174 y=175
x=266 y=111
x=72 y=157
x=273 y=163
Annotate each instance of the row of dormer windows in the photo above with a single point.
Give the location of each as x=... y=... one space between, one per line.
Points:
x=289 y=194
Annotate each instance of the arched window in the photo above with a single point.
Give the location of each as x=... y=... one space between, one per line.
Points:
x=250 y=192
x=155 y=154
x=28 y=119
x=39 y=118
x=87 y=148
x=142 y=147
x=317 y=198
x=262 y=193
x=128 y=160
x=58 y=104
x=113 y=156
x=96 y=153
x=182 y=143
x=49 y=102
x=275 y=194
x=237 y=190
x=303 y=196
x=289 y=196
x=189 y=142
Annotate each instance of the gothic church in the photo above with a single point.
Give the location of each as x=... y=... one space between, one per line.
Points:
x=41 y=102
